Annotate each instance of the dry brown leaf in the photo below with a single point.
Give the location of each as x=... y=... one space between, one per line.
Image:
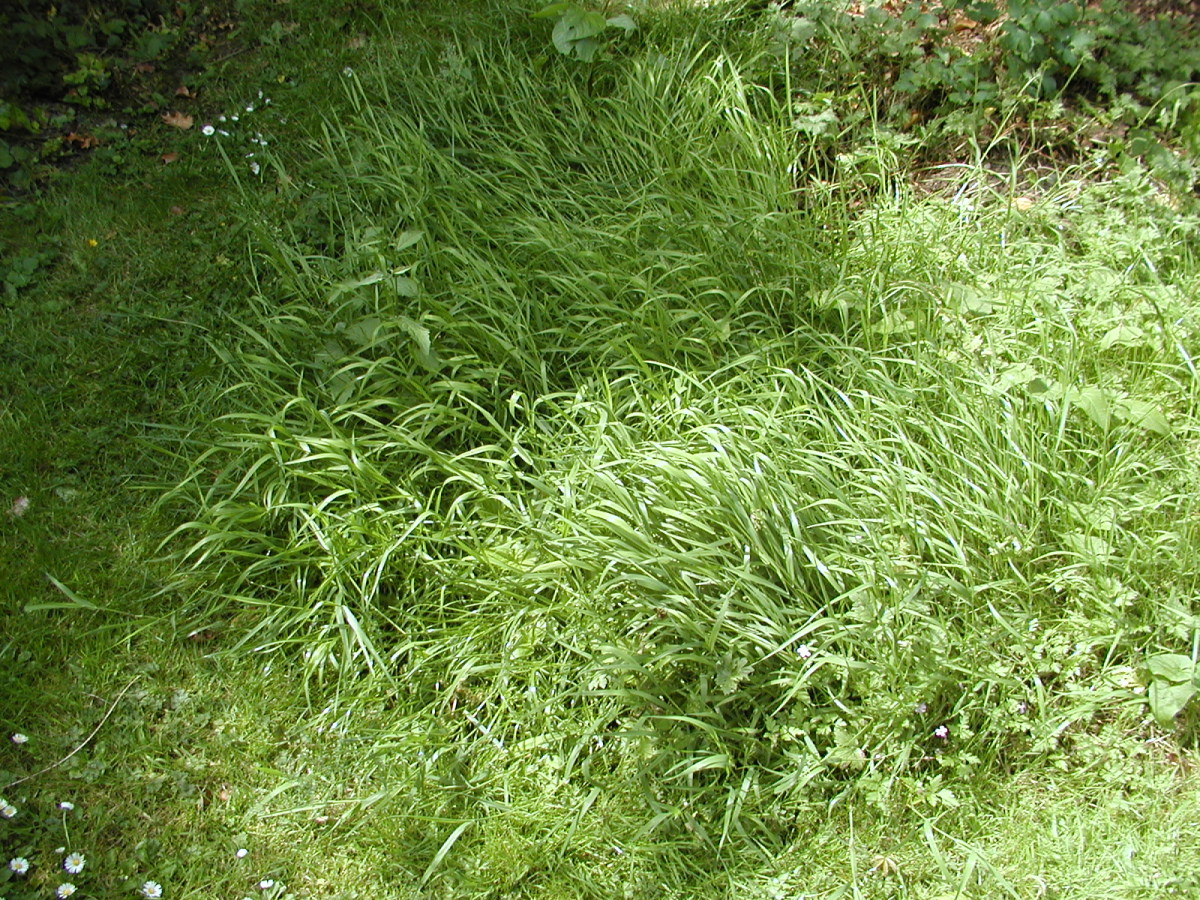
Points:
x=82 y=141
x=182 y=91
x=169 y=158
x=1023 y=204
x=177 y=211
x=177 y=119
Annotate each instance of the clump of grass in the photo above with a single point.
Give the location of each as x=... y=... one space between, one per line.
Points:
x=660 y=503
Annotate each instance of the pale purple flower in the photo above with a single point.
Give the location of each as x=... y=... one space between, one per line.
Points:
x=941 y=732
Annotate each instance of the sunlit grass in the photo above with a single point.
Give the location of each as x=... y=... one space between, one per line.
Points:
x=588 y=501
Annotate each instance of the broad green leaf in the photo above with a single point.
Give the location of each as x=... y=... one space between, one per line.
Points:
x=967 y=299
x=1012 y=375
x=424 y=346
x=407 y=239
x=1167 y=700
x=1095 y=402
x=623 y=21
x=405 y=286
x=1144 y=414
x=554 y=9
x=1171 y=667
x=1122 y=336
x=365 y=332
x=572 y=31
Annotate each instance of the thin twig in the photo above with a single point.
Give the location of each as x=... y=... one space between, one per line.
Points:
x=86 y=740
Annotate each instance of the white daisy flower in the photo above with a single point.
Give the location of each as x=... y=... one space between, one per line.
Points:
x=241 y=854
x=67 y=805
x=19 y=738
x=266 y=884
x=7 y=810
x=208 y=131
x=64 y=890
x=151 y=890
x=74 y=863
x=19 y=865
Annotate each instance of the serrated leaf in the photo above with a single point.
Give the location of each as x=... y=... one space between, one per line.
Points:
x=1171 y=667
x=1168 y=700
x=423 y=351
x=365 y=332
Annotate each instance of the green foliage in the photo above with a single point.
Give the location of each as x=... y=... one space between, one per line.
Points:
x=1045 y=43
x=578 y=32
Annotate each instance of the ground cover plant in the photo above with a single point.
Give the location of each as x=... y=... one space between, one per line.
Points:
x=546 y=473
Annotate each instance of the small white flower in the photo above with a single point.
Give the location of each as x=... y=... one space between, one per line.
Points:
x=266 y=884
x=67 y=805
x=19 y=864
x=151 y=890
x=941 y=732
x=208 y=131
x=804 y=651
x=18 y=507
x=60 y=849
x=65 y=890
x=19 y=738
x=254 y=167
x=74 y=863
x=250 y=108
x=921 y=708
x=220 y=118
x=7 y=810
x=241 y=854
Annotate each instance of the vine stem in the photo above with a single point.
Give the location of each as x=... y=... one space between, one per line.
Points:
x=86 y=740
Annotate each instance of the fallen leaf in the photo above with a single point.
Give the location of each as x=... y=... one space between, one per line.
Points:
x=82 y=141
x=176 y=210
x=169 y=158
x=182 y=91
x=225 y=793
x=1023 y=204
x=177 y=120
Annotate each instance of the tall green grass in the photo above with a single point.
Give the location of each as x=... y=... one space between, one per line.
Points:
x=660 y=493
